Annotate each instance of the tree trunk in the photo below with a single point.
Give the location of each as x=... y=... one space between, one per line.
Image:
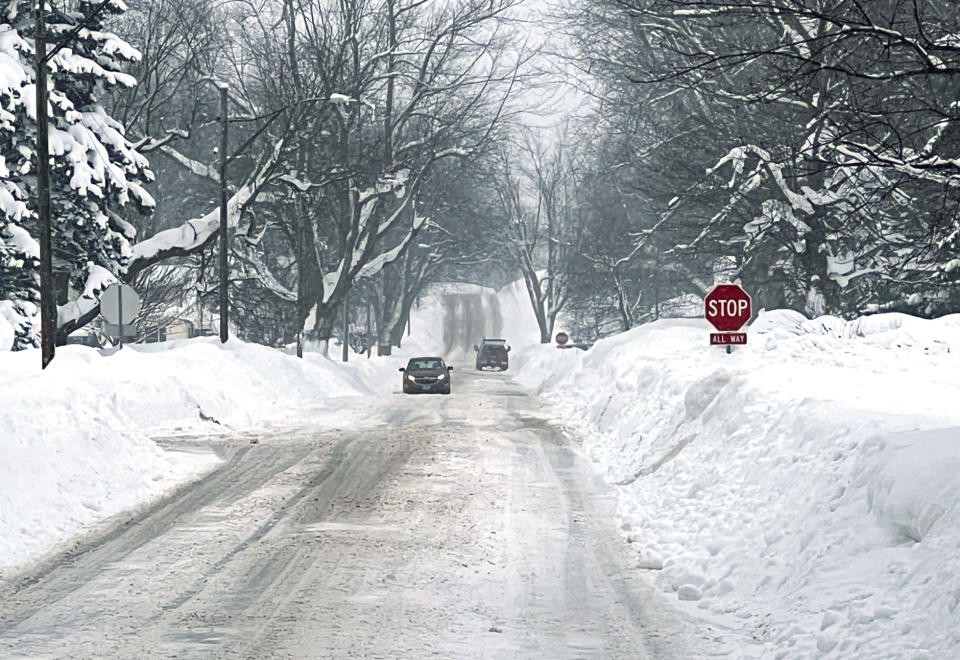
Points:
x=396 y=333
x=551 y=323
x=816 y=277
x=536 y=300
x=626 y=321
x=369 y=331
x=325 y=320
x=382 y=331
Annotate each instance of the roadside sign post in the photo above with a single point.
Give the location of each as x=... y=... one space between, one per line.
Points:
x=119 y=305
x=728 y=308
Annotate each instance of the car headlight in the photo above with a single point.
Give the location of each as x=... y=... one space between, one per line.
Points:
x=441 y=376
x=411 y=378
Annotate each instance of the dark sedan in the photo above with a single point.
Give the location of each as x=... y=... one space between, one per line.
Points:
x=426 y=374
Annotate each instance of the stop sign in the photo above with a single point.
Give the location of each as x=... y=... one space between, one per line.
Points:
x=727 y=307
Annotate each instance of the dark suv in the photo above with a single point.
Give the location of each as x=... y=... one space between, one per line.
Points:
x=426 y=374
x=492 y=354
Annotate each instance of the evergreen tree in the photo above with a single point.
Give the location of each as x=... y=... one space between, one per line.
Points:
x=95 y=170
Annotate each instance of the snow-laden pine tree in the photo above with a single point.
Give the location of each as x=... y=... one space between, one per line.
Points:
x=95 y=171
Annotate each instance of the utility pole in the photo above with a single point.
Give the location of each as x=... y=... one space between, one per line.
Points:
x=369 y=333
x=224 y=274
x=48 y=303
x=300 y=282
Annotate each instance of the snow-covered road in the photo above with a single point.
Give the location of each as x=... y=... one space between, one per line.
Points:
x=461 y=526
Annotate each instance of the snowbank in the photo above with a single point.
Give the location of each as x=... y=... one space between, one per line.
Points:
x=803 y=491
x=75 y=444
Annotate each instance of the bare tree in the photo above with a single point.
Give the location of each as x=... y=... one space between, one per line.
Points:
x=820 y=126
x=541 y=228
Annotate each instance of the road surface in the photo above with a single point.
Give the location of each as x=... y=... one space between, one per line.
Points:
x=461 y=526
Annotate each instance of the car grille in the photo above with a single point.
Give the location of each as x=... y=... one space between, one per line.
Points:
x=427 y=381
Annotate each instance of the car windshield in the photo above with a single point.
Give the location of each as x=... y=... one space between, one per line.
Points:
x=418 y=364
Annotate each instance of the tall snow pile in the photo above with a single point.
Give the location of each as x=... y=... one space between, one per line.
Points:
x=75 y=441
x=803 y=491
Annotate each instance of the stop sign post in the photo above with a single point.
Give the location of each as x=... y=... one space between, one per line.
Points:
x=728 y=308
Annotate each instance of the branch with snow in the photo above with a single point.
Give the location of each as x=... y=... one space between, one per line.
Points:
x=87 y=302
x=196 y=232
x=179 y=241
x=378 y=263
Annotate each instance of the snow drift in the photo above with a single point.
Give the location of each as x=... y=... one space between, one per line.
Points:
x=75 y=441
x=803 y=492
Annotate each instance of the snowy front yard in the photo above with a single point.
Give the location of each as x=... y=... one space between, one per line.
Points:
x=803 y=491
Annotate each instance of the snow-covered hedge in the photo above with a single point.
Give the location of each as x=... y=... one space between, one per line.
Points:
x=804 y=490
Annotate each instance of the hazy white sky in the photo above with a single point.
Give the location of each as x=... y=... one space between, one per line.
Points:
x=558 y=98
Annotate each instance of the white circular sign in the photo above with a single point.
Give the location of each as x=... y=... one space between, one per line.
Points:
x=110 y=304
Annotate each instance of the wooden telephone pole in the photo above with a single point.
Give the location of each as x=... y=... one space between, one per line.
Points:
x=224 y=244
x=48 y=302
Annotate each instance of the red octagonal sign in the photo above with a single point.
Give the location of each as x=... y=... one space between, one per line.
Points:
x=727 y=307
